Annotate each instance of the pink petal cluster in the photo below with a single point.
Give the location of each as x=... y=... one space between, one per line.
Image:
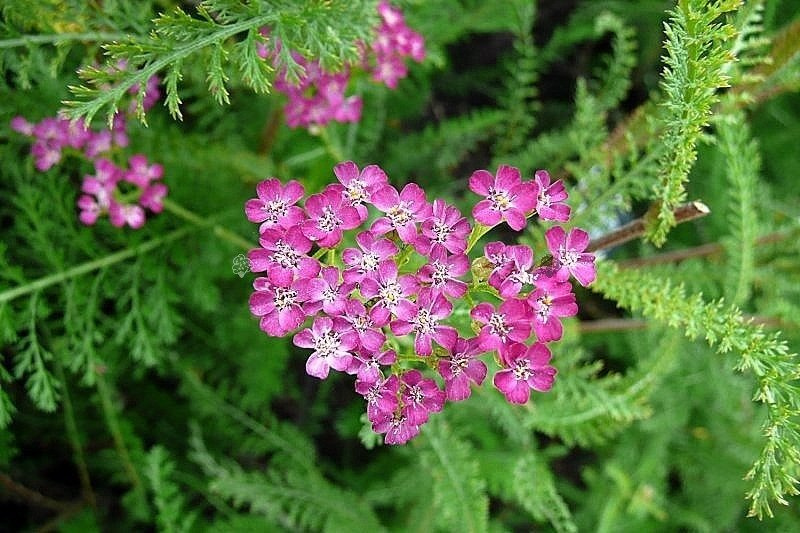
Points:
x=320 y=97
x=123 y=192
x=399 y=281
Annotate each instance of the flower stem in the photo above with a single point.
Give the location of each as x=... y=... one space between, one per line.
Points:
x=333 y=150
x=636 y=228
x=90 y=266
x=190 y=216
x=478 y=231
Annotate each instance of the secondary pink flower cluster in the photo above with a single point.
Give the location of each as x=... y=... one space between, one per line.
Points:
x=123 y=192
x=385 y=305
x=319 y=97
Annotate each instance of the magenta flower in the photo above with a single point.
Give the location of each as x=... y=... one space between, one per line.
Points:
x=420 y=396
x=367 y=324
x=364 y=263
x=140 y=173
x=446 y=226
x=153 y=197
x=423 y=318
x=550 y=301
x=359 y=186
x=495 y=253
x=510 y=279
x=367 y=364
x=461 y=368
x=21 y=125
x=283 y=256
x=442 y=272
x=403 y=210
x=507 y=197
x=328 y=215
x=278 y=306
x=549 y=198
x=568 y=256
x=394 y=41
x=330 y=295
x=397 y=427
x=528 y=369
x=275 y=204
x=510 y=322
x=130 y=214
x=99 y=143
x=332 y=341
x=381 y=396
x=390 y=289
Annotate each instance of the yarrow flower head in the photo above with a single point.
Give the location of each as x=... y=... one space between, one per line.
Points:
x=391 y=309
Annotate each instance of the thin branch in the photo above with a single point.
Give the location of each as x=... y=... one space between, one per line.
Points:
x=31 y=496
x=62 y=37
x=636 y=228
x=605 y=325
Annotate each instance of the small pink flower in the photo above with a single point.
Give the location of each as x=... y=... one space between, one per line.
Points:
x=328 y=215
x=367 y=364
x=568 y=256
x=446 y=226
x=328 y=293
x=381 y=396
x=360 y=185
x=509 y=323
x=90 y=209
x=550 y=301
x=507 y=197
x=153 y=197
x=274 y=206
x=283 y=256
x=397 y=426
x=364 y=263
x=99 y=143
x=517 y=273
x=367 y=324
x=140 y=172
x=130 y=214
x=528 y=369
x=421 y=396
x=442 y=272
x=423 y=318
x=389 y=289
x=332 y=342
x=403 y=210
x=550 y=198
x=495 y=253
x=21 y=125
x=462 y=367
x=278 y=306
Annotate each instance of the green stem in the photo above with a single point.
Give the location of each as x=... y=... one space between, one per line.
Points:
x=478 y=231
x=190 y=216
x=61 y=37
x=332 y=149
x=75 y=440
x=90 y=266
x=110 y=415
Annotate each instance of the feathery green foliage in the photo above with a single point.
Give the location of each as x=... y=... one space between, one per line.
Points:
x=696 y=56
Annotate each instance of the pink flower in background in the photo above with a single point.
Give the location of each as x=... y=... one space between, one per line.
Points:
x=140 y=172
x=121 y=214
x=568 y=254
x=275 y=204
x=507 y=197
x=153 y=197
x=527 y=368
x=385 y=57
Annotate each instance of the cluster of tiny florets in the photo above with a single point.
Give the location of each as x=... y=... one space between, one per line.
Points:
x=369 y=313
x=319 y=97
x=122 y=191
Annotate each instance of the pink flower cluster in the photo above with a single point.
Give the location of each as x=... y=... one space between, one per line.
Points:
x=374 y=313
x=121 y=192
x=319 y=97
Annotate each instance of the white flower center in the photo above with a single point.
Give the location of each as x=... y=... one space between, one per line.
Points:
x=544 y=199
x=275 y=209
x=400 y=214
x=458 y=363
x=568 y=258
x=501 y=200
x=329 y=294
x=357 y=192
x=522 y=371
x=327 y=344
x=328 y=221
x=441 y=231
x=543 y=306
x=498 y=325
x=441 y=273
x=391 y=293
x=424 y=323
x=284 y=298
x=369 y=262
x=285 y=255
x=362 y=323
x=415 y=394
